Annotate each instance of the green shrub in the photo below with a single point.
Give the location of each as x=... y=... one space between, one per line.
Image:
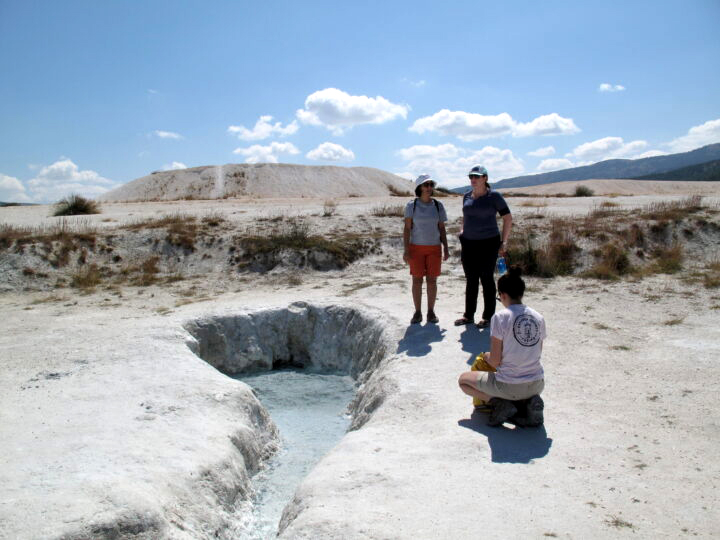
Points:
x=583 y=191
x=75 y=205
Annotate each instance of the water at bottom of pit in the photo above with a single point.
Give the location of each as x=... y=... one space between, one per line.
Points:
x=310 y=410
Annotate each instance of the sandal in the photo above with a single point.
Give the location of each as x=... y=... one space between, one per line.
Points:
x=432 y=318
x=483 y=323
x=417 y=318
x=463 y=320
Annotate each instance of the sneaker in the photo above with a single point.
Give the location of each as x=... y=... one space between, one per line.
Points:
x=502 y=410
x=535 y=411
x=417 y=318
x=432 y=318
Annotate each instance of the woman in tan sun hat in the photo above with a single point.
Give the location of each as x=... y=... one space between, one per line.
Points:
x=423 y=234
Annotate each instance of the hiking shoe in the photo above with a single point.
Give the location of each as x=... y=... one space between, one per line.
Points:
x=432 y=318
x=502 y=410
x=535 y=408
x=417 y=318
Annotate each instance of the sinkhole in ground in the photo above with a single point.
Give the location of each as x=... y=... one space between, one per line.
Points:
x=305 y=363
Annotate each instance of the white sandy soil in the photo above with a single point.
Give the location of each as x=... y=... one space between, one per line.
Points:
x=623 y=187
x=112 y=428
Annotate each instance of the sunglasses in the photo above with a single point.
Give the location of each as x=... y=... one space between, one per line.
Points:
x=427 y=185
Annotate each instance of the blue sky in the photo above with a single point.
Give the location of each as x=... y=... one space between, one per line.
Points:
x=96 y=93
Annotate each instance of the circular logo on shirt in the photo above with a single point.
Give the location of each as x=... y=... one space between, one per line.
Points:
x=526 y=330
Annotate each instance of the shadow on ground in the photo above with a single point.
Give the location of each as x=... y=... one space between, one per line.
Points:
x=417 y=339
x=507 y=445
x=474 y=341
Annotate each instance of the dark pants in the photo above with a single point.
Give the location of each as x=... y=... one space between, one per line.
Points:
x=478 y=260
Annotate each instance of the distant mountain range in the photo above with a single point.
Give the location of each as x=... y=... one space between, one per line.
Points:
x=704 y=172
x=646 y=169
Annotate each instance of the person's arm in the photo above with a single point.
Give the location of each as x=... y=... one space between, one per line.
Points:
x=406 y=239
x=507 y=226
x=443 y=241
x=494 y=357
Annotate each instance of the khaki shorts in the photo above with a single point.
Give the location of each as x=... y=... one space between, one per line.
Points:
x=487 y=383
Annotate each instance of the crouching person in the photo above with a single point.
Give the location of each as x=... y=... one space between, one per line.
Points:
x=516 y=337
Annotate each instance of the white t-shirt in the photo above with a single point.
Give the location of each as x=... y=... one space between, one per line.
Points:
x=522 y=330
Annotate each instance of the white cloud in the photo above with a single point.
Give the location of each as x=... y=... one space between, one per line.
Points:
x=421 y=151
x=12 y=190
x=463 y=125
x=174 y=166
x=545 y=151
x=650 y=153
x=607 y=148
x=337 y=111
x=328 y=151
x=548 y=124
x=471 y=126
x=449 y=164
x=697 y=136
x=266 y=154
x=416 y=84
x=263 y=129
x=63 y=178
x=151 y=91
x=556 y=164
x=167 y=134
x=606 y=87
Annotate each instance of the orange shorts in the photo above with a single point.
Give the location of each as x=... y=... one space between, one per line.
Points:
x=425 y=260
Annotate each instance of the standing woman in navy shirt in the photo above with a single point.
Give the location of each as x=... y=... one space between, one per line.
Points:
x=481 y=242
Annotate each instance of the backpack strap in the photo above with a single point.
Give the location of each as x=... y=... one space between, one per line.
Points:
x=437 y=207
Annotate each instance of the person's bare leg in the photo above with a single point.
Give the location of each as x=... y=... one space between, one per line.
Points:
x=417 y=283
x=431 y=293
x=468 y=384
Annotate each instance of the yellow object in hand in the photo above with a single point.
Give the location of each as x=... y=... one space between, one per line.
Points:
x=480 y=364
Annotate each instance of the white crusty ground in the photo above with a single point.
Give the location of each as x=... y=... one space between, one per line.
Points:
x=623 y=187
x=628 y=448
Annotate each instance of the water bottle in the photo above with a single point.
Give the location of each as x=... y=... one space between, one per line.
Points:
x=501 y=266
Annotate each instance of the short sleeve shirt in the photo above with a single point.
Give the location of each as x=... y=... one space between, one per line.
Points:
x=522 y=331
x=426 y=217
x=479 y=215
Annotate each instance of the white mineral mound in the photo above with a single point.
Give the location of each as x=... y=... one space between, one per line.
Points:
x=264 y=180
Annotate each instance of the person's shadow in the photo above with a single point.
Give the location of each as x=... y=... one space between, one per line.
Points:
x=474 y=341
x=519 y=445
x=417 y=339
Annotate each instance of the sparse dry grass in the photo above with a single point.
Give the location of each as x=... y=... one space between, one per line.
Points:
x=668 y=260
x=389 y=210
x=555 y=256
x=672 y=210
x=86 y=277
x=295 y=235
x=213 y=219
x=612 y=261
x=533 y=204
x=329 y=208
x=164 y=221
x=398 y=192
